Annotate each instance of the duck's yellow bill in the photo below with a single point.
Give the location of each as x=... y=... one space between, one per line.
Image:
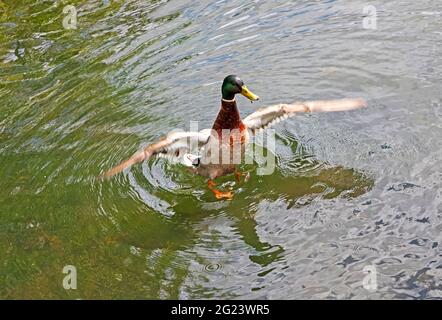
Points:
x=248 y=94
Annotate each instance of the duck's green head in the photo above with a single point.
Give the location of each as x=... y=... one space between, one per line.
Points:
x=232 y=85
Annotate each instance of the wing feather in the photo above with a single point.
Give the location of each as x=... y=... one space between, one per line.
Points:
x=171 y=146
x=268 y=116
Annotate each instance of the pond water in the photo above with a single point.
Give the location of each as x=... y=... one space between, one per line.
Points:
x=351 y=190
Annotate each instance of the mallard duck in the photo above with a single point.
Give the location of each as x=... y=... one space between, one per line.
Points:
x=177 y=146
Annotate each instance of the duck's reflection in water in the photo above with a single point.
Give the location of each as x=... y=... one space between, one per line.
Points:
x=203 y=232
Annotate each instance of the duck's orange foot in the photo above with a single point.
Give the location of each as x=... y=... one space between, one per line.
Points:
x=228 y=195
x=239 y=174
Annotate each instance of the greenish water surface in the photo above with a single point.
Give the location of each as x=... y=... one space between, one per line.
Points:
x=350 y=190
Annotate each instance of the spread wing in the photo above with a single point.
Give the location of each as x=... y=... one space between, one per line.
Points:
x=172 y=146
x=265 y=117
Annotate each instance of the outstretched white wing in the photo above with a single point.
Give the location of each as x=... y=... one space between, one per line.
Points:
x=265 y=117
x=172 y=146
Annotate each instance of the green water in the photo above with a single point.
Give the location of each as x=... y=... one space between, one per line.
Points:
x=76 y=102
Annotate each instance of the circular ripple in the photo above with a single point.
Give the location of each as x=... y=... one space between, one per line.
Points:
x=212 y=267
